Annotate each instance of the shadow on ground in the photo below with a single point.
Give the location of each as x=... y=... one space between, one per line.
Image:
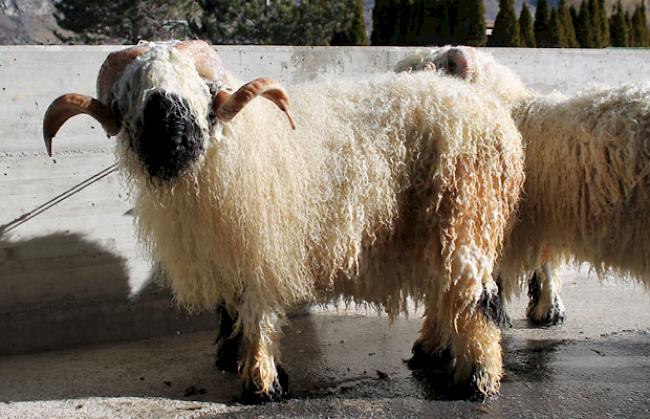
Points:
x=64 y=290
x=339 y=365
x=596 y=365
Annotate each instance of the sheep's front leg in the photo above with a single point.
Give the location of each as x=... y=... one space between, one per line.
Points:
x=499 y=312
x=545 y=306
x=476 y=346
x=262 y=376
x=228 y=342
x=464 y=339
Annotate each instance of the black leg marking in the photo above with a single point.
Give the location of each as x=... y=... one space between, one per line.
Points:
x=534 y=290
x=491 y=305
x=228 y=346
x=427 y=361
x=554 y=314
x=471 y=390
x=253 y=395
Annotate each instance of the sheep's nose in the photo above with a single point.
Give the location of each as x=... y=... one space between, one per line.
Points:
x=170 y=137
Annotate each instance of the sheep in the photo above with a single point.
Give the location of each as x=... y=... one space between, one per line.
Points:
x=587 y=188
x=386 y=192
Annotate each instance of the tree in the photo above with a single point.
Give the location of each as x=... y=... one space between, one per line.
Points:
x=384 y=22
x=448 y=10
x=617 y=29
x=355 y=32
x=506 y=27
x=282 y=22
x=556 y=38
x=526 y=32
x=124 y=21
x=541 y=24
x=566 y=22
x=628 y=29
x=584 y=31
x=604 y=24
x=427 y=22
x=574 y=18
x=594 y=22
x=639 y=27
x=471 y=23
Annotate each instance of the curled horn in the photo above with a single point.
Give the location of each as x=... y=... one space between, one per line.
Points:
x=71 y=104
x=226 y=105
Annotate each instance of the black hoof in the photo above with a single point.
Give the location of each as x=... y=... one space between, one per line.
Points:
x=424 y=360
x=471 y=391
x=228 y=346
x=553 y=317
x=503 y=320
x=227 y=354
x=253 y=395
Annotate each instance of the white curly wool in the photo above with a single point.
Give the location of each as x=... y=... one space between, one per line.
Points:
x=588 y=185
x=587 y=189
x=394 y=187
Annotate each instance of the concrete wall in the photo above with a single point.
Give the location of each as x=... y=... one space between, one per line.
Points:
x=68 y=276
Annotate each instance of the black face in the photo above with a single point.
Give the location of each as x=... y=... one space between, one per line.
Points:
x=169 y=139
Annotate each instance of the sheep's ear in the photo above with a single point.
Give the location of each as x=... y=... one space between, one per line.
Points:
x=71 y=104
x=459 y=62
x=226 y=106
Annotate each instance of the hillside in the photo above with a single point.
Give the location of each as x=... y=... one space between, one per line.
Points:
x=27 y=22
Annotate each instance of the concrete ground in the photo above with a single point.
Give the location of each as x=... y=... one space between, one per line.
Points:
x=596 y=365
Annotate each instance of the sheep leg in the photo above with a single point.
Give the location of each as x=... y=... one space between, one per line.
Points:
x=263 y=378
x=475 y=340
x=468 y=344
x=429 y=350
x=477 y=351
x=545 y=306
x=499 y=309
x=228 y=342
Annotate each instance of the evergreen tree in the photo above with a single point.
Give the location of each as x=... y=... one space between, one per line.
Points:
x=281 y=22
x=566 y=23
x=556 y=38
x=471 y=23
x=429 y=16
x=541 y=24
x=584 y=31
x=574 y=19
x=639 y=27
x=604 y=24
x=406 y=23
x=644 y=24
x=594 y=22
x=628 y=29
x=448 y=21
x=355 y=32
x=617 y=28
x=506 y=27
x=384 y=22
x=124 y=21
x=526 y=32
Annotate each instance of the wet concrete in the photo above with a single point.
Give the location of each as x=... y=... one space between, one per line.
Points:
x=595 y=365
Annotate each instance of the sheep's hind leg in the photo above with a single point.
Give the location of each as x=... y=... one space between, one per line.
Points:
x=545 y=306
x=228 y=342
x=263 y=378
x=498 y=308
